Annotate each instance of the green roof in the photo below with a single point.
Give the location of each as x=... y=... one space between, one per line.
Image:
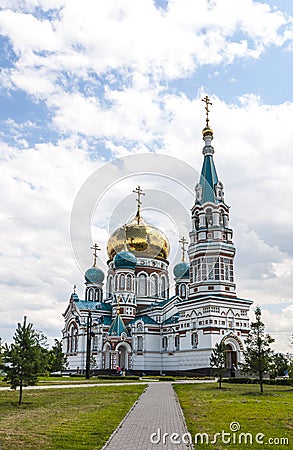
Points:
x=118 y=327
x=145 y=319
x=83 y=304
x=208 y=180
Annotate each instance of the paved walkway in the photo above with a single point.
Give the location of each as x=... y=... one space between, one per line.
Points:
x=155 y=413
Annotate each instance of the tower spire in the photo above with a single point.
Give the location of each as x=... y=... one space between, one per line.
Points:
x=183 y=241
x=139 y=193
x=95 y=249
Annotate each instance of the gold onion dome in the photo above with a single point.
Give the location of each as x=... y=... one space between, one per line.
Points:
x=141 y=238
x=207 y=131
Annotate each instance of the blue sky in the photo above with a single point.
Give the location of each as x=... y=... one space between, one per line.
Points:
x=82 y=83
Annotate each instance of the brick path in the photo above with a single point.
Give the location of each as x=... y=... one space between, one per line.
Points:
x=156 y=409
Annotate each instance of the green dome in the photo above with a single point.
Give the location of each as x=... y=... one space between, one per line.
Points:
x=94 y=275
x=181 y=270
x=124 y=260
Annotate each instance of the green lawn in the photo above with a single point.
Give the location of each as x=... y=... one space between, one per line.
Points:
x=63 y=419
x=210 y=410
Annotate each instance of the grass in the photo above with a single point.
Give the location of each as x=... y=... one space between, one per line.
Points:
x=62 y=419
x=47 y=381
x=208 y=409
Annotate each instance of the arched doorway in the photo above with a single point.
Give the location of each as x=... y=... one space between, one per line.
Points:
x=231 y=356
x=122 y=357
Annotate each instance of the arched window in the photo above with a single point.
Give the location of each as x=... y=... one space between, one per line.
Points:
x=73 y=339
x=122 y=282
x=182 y=291
x=209 y=217
x=128 y=282
x=177 y=342
x=110 y=286
x=163 y=287
x=154 y=285
x=194 y=340
x=164 y=343
x=142 y=285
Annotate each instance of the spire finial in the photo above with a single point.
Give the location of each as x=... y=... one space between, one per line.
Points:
x=139 y=193
x=95 y=248
x=207 y=101
x=183 y=241
x=74 y=288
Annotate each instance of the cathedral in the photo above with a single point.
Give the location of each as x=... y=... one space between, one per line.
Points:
x=131 y=319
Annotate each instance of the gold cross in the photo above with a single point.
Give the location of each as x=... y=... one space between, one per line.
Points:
x=207 y=102
x=139 y=193
x=95 y=248
x=183 y=241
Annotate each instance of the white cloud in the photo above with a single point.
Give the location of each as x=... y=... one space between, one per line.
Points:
x=103 y=71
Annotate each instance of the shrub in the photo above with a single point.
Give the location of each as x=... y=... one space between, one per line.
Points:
x=166 y=378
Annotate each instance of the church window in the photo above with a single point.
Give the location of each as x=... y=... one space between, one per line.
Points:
x=177 y=342
x=164 y=343
x=217 y=270
x=163 y=287
x=122 y=282
x=73 y=338
x=110 y=286
x=142 y=285
x=209 y=217
x=139 y=344
x=211 y=273
x=128 y=282
x=194 y=340
x=182 y=290
x=154 y=285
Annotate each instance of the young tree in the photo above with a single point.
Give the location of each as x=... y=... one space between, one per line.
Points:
x=258 y=353
x=58 y=361
x=218 y=361
x=22 y=359
x=279 y=365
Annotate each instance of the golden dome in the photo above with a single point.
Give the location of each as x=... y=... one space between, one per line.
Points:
x=141 y=239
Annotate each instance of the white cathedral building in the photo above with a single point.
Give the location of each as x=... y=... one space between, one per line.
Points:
x=131 y=319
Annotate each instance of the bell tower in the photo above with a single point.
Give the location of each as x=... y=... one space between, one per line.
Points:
x=211 y=250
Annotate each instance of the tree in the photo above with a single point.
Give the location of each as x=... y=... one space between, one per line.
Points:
x=258 y=353
x=218 y=361
x=22 y=360
x=279 y=365
x=58 y=361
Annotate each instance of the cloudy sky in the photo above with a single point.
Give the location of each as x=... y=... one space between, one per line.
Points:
x=85 y=83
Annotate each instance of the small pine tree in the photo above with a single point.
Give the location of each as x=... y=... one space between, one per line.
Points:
x=58 y=361
x=22 y=359
x=258 y=353
x=218 y=361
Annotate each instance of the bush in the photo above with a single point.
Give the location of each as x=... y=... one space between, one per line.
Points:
x=166 y=378
x=279 y=382
x=118 y=377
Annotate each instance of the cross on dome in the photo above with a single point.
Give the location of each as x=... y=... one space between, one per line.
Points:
x=183 y=241
x=207 y=101
x=139 y=193
x=95 y=249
